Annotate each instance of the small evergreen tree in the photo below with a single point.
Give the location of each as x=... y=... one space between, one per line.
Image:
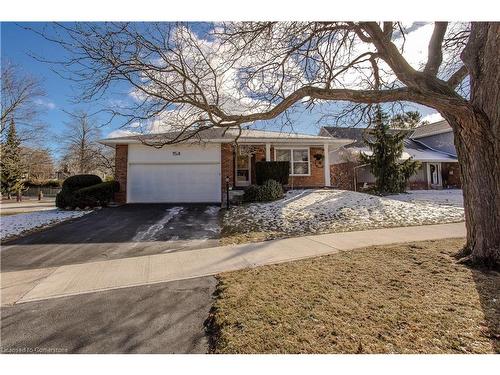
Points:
x=390 y=173
x=13 y=171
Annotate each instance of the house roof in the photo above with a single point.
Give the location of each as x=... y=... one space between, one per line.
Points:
x=228 y=135
x=356 y=134
x=412 y=148
x=422 y=153
x=431 y=129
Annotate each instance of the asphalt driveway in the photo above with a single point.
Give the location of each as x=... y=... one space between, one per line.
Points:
x=113 y=233
x=159 y=318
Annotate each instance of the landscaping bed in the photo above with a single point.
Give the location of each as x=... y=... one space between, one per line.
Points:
x=408 y=298
x=305 y=212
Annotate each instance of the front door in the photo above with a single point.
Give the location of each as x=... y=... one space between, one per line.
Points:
x=434 y=173
x=242 y=170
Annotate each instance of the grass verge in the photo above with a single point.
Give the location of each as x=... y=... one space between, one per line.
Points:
x=408 y=298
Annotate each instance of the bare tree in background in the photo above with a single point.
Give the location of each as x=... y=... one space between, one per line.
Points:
x=82 y=153
x=39 y=165
x=244 y=72
x=20 y=96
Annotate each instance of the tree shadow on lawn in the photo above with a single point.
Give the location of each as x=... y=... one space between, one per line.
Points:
x=488 y=288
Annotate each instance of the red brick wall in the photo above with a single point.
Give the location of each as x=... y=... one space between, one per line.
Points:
x=451 y=173
x=121 y=162
x=342 y=175
x=227 y=166
x=317 y=177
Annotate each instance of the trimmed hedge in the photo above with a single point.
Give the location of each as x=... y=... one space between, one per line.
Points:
x=271 y=190
x=86 y=191
x=96 y=195
x=80 y=181
x=251 y=193
x=64 y=199
x=272 y=170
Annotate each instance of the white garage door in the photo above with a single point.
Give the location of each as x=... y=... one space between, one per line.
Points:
x=177 y=174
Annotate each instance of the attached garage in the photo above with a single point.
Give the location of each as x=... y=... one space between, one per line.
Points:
x=174 y=174
x=197 y=169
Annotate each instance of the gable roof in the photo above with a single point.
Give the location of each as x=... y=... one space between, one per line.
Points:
x=431 y=129
x=228 y=135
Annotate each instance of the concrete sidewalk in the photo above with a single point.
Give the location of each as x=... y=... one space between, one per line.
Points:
x=27 y=205
x=40 y=284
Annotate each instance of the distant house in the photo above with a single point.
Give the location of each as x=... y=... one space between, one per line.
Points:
x=431 y=144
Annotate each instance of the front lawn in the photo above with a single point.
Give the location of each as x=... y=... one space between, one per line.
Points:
x=305 y=212
x=410 y=298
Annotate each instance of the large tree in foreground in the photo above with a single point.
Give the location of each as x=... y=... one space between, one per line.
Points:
x=237 y=73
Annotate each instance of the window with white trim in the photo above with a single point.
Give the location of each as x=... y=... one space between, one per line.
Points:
x=298 y=158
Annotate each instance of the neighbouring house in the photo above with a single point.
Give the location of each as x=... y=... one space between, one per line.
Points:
x=196 y=170
x=431 y=144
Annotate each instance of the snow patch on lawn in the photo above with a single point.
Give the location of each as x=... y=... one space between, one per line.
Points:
x=327 y=211
x=14 y=225
x=452 y=197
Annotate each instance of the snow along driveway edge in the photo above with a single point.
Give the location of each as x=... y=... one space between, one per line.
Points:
x=13 y=226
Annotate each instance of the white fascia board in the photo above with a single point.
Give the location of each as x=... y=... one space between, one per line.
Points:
x=273 y=141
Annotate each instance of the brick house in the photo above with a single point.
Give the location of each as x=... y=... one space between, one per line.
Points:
x=431 y=144
x=199 y=168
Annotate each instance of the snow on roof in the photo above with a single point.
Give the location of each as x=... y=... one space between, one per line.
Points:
x=411 y=149
x=421 y=153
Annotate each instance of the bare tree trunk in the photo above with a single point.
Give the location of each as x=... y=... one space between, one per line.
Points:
x=477 y=139
x=478 y=158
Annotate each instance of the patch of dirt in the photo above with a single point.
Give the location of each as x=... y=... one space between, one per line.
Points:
x=407 y=298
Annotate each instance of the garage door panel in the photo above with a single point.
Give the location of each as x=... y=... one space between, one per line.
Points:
x=176 y=183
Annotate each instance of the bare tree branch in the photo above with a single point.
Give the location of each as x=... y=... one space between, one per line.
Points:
x=457 y=77
x=436 y=48
x=21 y=101
x=184 y=83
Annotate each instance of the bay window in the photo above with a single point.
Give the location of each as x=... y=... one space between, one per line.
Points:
x=298 y=158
